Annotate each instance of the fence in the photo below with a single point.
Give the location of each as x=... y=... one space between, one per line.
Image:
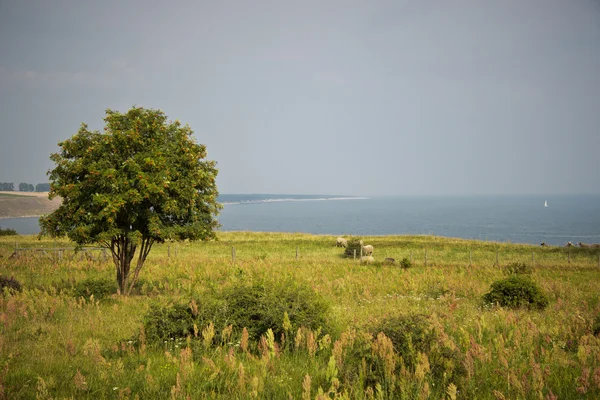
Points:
x=425 y=257
x=429 y=259
x=58 y=253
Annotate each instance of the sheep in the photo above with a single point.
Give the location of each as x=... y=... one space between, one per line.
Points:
x=341 y=242
x=367 y=250
x=569 y=244
x=589 y=246
x=367 y=260
x=543 y=244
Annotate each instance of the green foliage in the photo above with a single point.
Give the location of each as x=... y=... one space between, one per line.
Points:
x=7 y=186
x=100 y=288
x=26 y=187
x=42 y=187
x=516 y=291
x=517 y=268
x=354 y=243
x=7 y=232
x=405 y=263
x=260 y=307
x=10 y=284
x=413 y=334
x=166 y=322
x=144 y=179
x=256 y=307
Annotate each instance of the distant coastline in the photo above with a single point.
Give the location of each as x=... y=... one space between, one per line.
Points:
x=233 y=199
x=26 y=204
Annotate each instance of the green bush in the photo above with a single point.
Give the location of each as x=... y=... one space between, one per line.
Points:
x=8 y=232
x=353 y=244
x=516 y=291
x=260 y=307
x=100 y=288
x=10 y=283
x=413 y=334
x=257 y=308
x=405 y=263
x=168 y=322
x=517 y=269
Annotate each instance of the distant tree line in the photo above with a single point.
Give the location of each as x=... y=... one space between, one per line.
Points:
x=25 y=187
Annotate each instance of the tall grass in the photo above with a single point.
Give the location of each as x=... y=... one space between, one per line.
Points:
x=54 y=344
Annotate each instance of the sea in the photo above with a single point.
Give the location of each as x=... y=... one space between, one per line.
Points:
x=553 y=219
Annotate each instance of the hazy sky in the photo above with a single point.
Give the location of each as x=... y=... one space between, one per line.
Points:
x=320 y=97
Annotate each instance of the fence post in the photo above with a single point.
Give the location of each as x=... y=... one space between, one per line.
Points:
x=497 y=258
x=569 y=256
x=176 y=250
x=296 y=252
x=425 y=257
x=470 y=258
x=532 y=259
x=169 y=251
x=354 y=254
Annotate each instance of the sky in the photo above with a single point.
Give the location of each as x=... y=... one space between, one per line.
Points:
x=429 y=97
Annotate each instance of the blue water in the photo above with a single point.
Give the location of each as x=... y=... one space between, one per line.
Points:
x=516 y=219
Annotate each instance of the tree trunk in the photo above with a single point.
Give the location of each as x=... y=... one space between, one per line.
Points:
x=123 y=250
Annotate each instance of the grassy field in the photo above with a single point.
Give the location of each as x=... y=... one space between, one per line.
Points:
x=56 y=344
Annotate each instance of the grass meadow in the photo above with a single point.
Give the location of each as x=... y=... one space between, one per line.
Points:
x=56 y=344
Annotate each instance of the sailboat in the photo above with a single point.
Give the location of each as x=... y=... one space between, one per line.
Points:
x=545 y=203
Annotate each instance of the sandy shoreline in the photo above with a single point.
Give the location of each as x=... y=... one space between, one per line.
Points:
x=26 y=204
x=26 y=194
x=21 y=216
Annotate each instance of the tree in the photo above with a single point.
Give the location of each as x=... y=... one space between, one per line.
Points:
x=8 y=186
x=25 y=187
x=42 y=187
x=144 y=180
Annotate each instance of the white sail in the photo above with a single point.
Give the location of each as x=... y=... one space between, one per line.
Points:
x=545 y=203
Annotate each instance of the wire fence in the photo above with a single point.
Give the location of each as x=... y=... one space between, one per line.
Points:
x=545 y=256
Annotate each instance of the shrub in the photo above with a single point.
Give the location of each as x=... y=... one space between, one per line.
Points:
x=260 y=307
x=10 y=283
x=100 y=288
x=405 y=263
x=517 y=269
x=7 y=232
x=413 y=334
x=166 y=322
x=257 y=308
x=353 y=244
x=516 y=291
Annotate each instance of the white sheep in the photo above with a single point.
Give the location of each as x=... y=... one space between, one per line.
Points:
x=367 y=260
x=341 y=242
x=367 y=250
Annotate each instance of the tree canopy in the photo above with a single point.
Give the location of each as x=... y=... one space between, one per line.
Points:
x=25 y=187
x=141 y=181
